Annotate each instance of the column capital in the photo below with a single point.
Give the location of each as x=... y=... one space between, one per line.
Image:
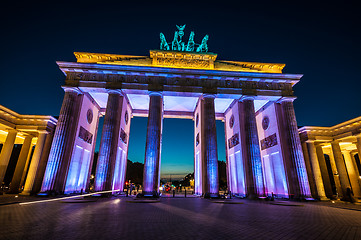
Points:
x=358 y=136
x=155 y=93
x=42 y=132
x=247 y=97
x=72 y=89
x=208 y=95
x=114 y=91
x=286 y=99
x=11 y=130
x=345 y=150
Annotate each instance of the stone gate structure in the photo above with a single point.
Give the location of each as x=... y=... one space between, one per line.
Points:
x=255 y=100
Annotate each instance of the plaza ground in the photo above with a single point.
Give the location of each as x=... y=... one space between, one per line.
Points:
x=177 y=218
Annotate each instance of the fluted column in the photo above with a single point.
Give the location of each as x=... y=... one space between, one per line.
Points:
x=42 y=163
x=151 y=174
x=62 y=146
x=28 y=158
x=6 y=153
x=352 y=173
x=20 y=165
x=341 y=169
x=298 y=168
x=251 y=149
x=358 y=145
x=311 y=179
x=34 y=163
x=109 y=142
x=316 y=170
x=324 y=171
x=336 y=176
x=209 y=141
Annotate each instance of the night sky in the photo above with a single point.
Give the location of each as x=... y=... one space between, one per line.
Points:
x=323 y=42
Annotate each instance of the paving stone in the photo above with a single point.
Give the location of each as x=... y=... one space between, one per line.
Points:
x=176 y=218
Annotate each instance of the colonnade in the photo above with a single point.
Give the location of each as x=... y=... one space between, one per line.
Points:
x=333 y=167
x=67 y=163
x=30 y=131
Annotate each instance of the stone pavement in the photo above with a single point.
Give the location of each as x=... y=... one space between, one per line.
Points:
x=177 y=218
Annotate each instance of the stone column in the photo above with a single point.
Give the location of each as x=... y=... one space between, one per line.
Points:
x=42 y=163
x=20 y=165
x=250 y=148
x=336 y=176
x=341 y=169
x=62 y=146
x=22 y=182
x=6 y=153
x=352 y=173
x=358 y=145
x=153 y=145
x=316 y=171
x=109 y=142
x=34 y=163
x=324 y=172
x=209 y=141
x=311 y=180
x=298 y=168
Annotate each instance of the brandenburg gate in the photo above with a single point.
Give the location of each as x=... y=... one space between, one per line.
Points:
x=181 y=80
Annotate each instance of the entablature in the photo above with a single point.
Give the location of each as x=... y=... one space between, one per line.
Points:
x=182 y=80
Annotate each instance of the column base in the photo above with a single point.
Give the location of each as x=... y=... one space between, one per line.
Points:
x=25 y=193
x=211 y=195
x=324 y=199
x=253 y=197
x=153 y=194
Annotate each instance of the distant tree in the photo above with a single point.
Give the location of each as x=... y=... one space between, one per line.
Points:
x=134 y=172
x=95 y=160
x=222 y=175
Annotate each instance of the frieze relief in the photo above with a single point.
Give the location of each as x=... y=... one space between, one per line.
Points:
x=269 y=141
x=178 y=81
x=187 y=63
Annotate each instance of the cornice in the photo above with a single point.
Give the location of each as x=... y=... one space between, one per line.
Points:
x=177 y=72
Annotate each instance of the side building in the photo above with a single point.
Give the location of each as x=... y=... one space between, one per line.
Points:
x=332 y=160
x=33 y=134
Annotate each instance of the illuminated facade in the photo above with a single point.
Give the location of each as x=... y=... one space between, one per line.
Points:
x=332 y=159
x=255 y=100
x=35 y=134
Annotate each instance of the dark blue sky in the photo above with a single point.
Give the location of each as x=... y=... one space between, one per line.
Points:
x=320 y=41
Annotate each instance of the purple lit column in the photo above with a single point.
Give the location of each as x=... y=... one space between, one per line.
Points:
x=209 y=148
x=62 y=146
x=251 y=149
x=298 y=168
x=153 y=145
x=109 y=142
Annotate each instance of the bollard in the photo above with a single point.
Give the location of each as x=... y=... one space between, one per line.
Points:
x=230 y=195
x=173 y=193
x=185 y=193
